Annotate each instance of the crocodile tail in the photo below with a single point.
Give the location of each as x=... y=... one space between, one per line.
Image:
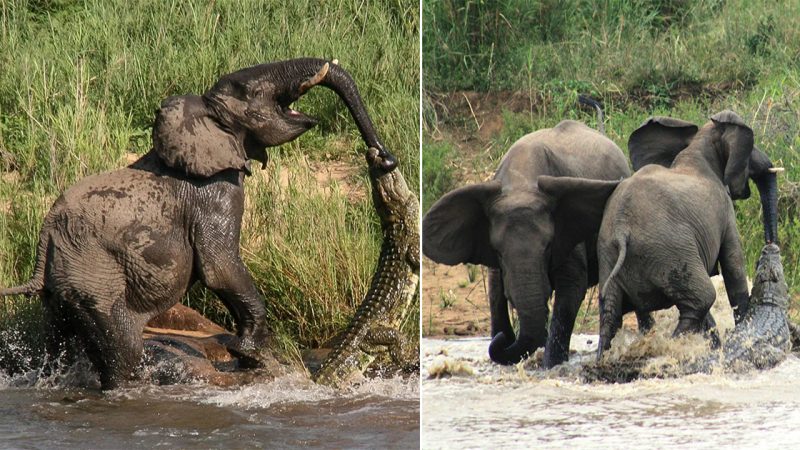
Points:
x=596 y=105
x=376 y=302
x=35 y=284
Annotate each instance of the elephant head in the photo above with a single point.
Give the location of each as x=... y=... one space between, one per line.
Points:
x=249 y=110
x=726 y=142
x=524 y=234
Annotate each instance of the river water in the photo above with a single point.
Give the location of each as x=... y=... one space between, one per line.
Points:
x=288 y=412
x=484 y=405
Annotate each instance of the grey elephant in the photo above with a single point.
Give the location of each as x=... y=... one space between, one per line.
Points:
x=528 y=238
x=669 y=226
x=118 y=248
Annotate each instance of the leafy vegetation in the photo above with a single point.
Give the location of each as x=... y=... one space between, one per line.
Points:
x=81 y=80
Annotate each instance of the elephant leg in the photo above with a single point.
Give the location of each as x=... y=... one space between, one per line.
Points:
x=221 y=270
x=694 y=297
x=711 y=332
x=57 y=332
x=113 y=340
x=645 y=321
x=731 y=262
x=570 y=288
x=498 y=304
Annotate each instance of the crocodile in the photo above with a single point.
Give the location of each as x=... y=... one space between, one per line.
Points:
x=393 y=291
x=762 y=340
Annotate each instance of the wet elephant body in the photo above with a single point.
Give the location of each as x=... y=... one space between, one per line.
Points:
x=116 y=249
x=528 y=237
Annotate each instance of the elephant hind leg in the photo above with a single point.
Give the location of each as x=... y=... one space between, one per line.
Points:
x=113 y=341
x=694 y=298
x=645 y=321
x=124 y=345
x=60 y=351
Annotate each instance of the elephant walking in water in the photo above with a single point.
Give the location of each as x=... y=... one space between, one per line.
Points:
x=529 y=237
x=670 y=225
x=118 y=248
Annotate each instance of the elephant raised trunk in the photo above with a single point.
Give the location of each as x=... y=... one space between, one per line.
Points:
x=340 y=82
x=241 y=94
x=303 y=73
x=764 y=175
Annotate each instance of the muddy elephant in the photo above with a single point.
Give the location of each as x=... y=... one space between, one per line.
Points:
x=118 y=248
x=528 y=237
x=669 y=226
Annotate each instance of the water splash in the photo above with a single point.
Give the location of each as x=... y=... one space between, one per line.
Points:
x=556 y=409
x=296 y=388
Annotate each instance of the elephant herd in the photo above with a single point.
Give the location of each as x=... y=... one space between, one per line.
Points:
x=563 y=212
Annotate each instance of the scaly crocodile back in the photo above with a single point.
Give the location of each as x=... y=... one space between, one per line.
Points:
x=395 y=281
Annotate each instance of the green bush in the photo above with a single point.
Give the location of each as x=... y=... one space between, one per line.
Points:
x=650 y=47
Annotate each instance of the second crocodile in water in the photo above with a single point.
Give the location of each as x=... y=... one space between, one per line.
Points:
x=762 y=340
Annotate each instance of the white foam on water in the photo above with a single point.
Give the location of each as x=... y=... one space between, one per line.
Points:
x=525 y=407
x=297 y=388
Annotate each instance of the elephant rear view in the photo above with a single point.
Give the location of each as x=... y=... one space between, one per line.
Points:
x=527 y=237
x=667 y=228
x=118 y=248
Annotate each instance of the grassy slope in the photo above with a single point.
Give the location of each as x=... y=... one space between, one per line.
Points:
x=683 y=58
x=80 y=83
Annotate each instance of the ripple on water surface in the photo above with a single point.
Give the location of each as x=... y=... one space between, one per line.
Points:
x=525 y=407
x=285 y=413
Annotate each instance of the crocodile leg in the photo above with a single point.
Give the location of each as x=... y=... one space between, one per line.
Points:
x=396 y=343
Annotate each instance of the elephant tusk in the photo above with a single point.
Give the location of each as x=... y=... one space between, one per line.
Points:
x=315 y=80
x=775 y=169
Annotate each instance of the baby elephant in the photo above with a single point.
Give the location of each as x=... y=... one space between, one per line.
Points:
x=666 y=228
x=118 y=248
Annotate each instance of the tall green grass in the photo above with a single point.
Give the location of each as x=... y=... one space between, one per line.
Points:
x=646 y=47
x=81 y=80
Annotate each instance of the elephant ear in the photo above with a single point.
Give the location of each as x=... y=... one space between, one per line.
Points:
x=737 y=139
x=456 y=228
x=577 y=209
x=188 y=139
x=659 y=140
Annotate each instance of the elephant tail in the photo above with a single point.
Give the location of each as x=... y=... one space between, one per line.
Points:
x=35 y=285
x=622 y=248
x=28 y=289
x=582 y=99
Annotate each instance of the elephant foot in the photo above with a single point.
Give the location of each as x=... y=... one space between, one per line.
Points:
x=250 y=357
x=555 y=357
